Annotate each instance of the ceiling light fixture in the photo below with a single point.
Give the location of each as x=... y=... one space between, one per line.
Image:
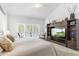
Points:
x=37 y=5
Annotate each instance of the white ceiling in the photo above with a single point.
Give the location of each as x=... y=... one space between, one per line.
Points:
x=27 y=9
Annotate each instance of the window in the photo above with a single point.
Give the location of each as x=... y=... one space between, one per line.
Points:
x=21 y=28
x=29 y=30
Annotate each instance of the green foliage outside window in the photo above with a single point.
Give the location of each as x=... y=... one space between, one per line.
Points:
x=21 y=28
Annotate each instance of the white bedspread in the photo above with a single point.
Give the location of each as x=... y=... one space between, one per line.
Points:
x=39 y=47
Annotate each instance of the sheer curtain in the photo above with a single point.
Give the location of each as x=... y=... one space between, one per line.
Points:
x=28 y=30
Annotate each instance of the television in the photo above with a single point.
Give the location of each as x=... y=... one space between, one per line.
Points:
x=58 y=32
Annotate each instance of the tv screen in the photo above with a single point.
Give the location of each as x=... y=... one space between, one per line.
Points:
x=58 y=32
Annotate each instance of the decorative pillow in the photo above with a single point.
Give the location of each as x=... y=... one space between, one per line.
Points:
x=6 y=44
x=10 y=37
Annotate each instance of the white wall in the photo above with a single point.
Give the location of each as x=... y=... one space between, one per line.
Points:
x=14 y=20
x=3 y=21
x=61 y=12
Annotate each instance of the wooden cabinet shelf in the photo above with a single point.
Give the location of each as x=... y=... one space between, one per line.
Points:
x=72 y=34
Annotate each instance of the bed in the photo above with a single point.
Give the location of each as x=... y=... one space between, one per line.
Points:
x=30 y=48
x=39 y=47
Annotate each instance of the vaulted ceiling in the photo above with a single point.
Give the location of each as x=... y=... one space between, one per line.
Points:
x=27 y=9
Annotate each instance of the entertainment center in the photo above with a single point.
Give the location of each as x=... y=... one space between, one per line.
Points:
x=65 y=32
x=56 y=32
